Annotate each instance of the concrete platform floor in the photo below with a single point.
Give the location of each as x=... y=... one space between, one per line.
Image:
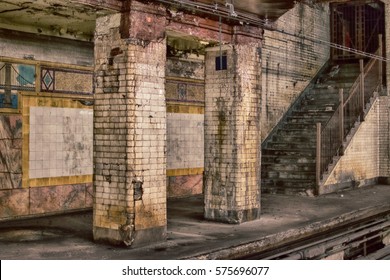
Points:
x=284 y=218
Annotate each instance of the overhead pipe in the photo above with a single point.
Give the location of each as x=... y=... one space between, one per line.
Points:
x=245 y=18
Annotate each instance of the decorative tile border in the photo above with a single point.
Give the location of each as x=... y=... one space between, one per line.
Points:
x=66 y=81
x=185 y=90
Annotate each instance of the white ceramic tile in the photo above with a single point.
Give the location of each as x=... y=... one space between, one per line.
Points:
x=51 y=128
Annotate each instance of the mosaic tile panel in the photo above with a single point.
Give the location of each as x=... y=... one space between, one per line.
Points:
x=60 y=142
x=184 y=91
x=185 y=144
x=66 y=81
x=14 y=100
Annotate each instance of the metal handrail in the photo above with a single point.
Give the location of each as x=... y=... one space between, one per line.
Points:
x=330 y=136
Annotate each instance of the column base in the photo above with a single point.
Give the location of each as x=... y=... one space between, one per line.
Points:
x=232 y=216
x=141 y=237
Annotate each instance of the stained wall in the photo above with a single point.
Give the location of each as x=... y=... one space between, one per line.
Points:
x=289 y=61
x=185 y=95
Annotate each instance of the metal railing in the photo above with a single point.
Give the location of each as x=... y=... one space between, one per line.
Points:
x=351 y=109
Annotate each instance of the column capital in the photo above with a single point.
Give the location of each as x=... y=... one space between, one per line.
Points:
x=143 y=21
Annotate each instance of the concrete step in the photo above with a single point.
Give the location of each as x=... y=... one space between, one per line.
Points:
x=288 y=131
x=323 y=92
x=307 y=119
x=288 y=167
x=290 y=145
x=290 y=152
x=276 y=174
x=287 y=159
x=310 y=114
x=288 y=187
x=294 y=138
x=318 y=108
x=334 y=85
x=298 y=126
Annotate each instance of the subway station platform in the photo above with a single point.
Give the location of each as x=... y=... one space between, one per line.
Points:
x=284 y=218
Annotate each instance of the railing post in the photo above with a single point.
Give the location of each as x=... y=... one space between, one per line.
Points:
x=341 y=120
x=362 y=87
x=38 y=77
x=8 y=86
x=380 y=63
x=318 y=156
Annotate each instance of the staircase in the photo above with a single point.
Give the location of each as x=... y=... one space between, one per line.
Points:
x=289 y=154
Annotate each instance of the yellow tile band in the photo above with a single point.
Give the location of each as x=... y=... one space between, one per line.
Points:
x=56 y=181
x=184 y=109
x=185 y=172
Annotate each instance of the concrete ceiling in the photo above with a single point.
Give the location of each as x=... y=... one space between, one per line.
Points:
x=266 y=9
x=65 y=18
x=76 y=18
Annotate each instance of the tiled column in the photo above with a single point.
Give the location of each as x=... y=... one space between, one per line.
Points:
x=232 y=134
x=130 y=129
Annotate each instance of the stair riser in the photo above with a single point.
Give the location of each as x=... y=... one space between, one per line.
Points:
x=298 y=154
x=287 y=168
x=279 y=138
x=266 y=159
x=289 y=175
x=291 y=145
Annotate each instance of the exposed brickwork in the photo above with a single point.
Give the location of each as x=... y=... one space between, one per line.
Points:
x=143 y=22
x=232 y=135
x=288 y=62
x=130 y=135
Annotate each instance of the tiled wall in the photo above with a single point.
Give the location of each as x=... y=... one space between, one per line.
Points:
x=45 y=141
x=288 y=62
x=45 y=157
x=185 y=95
x=60 y=142
x=185 y=143
x=366 y=156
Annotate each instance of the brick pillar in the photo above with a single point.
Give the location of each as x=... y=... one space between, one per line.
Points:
x=129 y=130
x=232 y=134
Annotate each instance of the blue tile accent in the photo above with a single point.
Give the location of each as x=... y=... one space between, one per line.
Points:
x=14 y=101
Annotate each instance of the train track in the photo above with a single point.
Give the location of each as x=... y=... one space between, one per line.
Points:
x=358 y=240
